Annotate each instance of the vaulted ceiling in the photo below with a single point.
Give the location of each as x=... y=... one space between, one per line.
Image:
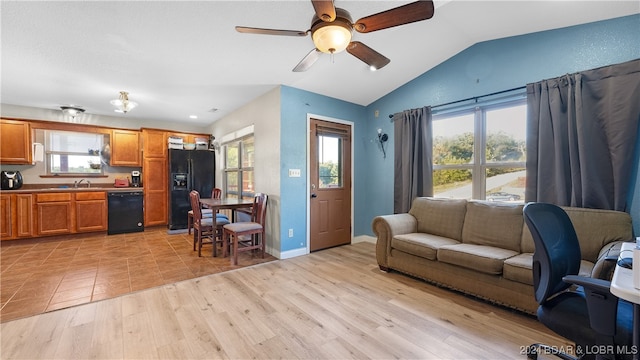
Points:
x=182 y=58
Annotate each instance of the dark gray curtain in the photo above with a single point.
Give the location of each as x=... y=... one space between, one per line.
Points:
x=581 y=136
x=412 y=157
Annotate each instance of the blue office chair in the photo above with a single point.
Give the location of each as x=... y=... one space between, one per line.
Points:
x=589 y=315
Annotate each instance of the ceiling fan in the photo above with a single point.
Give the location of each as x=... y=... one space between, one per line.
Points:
x=331 y=30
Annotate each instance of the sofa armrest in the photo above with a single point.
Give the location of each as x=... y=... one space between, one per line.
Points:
x=386 y=227
x=606 y=262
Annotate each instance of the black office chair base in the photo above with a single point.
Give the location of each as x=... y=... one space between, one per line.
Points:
x=534 y=349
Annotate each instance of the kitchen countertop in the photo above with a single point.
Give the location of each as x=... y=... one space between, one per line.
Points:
x=36 y=188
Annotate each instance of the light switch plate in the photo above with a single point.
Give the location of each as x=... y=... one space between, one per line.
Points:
x=294 y=172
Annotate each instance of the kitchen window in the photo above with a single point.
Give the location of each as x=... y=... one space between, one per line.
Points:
x=480 y=153
x=238 y=168
x=70 y=153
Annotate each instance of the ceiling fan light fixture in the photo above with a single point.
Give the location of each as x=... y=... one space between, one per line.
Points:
x=123 y=104
x=332 y=37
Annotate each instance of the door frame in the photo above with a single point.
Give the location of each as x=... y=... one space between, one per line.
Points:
x=308 y=168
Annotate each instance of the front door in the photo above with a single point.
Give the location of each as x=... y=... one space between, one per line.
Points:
x=330 y=182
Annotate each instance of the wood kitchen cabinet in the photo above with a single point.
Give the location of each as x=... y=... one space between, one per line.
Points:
x=15 y=142
x=91 y=211
x=154 y=177
x=54 y=214
x=154 y=143
x=125 y=148
x=155 y=183
x=16 y=216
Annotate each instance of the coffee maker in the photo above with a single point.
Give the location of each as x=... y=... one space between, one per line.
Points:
x=135 y=179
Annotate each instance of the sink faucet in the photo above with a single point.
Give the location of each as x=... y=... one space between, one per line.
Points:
x=76 y=183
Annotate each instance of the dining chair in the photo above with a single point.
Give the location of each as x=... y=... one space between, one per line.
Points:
x=249 y=235
x=205 y=228
x=216 y=193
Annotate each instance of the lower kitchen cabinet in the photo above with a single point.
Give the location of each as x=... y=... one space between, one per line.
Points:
x=26 y=215
x=16 y=216
x=54 y=213
x=91 y=211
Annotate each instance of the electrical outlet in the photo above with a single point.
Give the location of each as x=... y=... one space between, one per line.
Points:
x=290 y=232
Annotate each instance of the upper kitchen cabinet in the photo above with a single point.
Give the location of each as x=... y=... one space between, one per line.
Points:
x=15 y=142
x=155 y=143
x=125 y=148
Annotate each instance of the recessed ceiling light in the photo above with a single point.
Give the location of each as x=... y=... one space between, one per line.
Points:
x=193 y=116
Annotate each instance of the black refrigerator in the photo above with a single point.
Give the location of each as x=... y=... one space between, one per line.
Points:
x=188 y=170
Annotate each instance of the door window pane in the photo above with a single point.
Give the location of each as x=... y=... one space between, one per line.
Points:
x=329 y=161
x=506 y=134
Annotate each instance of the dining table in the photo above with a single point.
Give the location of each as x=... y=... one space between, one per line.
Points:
x=226 y=203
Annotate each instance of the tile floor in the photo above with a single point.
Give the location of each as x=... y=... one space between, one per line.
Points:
x=41 y=275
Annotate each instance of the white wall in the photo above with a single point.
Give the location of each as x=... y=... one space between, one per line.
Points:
x=264 y=114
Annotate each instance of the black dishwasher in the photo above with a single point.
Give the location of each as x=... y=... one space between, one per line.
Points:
x=125 y=212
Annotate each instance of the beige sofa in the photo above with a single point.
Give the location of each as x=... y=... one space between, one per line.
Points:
x=485 y=249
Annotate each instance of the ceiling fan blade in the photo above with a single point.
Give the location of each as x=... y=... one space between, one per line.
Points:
x=252 y=30
x=369 y=56
x=308 y=60
x=416 y=11
x=324 y=10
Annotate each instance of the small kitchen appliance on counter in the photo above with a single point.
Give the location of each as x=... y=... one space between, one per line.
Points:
x=11 y=180
x=121 y=183
x=135 y=179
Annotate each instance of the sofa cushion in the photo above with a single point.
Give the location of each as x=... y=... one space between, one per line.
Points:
x=486 y=259
x=594 y=227
x=420 y=244
x=519 y=268
x=442 y=217
x=493 y=224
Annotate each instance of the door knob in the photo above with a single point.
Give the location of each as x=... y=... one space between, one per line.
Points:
x=313 y=195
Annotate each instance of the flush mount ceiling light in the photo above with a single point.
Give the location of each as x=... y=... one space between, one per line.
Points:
x=122 y=103
x=71 y=111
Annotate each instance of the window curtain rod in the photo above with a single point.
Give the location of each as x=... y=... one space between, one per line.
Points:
x=476 y=98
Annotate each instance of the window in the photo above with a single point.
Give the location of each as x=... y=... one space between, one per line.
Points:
x=480 y=153
x=70 y=152
x=330 y=161
x=238 y=171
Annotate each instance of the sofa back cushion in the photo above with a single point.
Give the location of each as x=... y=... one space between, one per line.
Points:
x=442 y=217
x=493 y=224
x=594 y=227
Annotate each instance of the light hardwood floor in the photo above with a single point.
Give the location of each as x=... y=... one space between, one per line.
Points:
x=333 y=304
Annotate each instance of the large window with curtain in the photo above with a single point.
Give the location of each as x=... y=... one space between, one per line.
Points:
x=480 y=153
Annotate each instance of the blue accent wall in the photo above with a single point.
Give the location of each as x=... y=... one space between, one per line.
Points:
x=484 y=68
x=295 y=105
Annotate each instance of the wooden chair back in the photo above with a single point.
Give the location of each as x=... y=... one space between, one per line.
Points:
x=216 y=193
x=194 y=198
x=259 y=209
